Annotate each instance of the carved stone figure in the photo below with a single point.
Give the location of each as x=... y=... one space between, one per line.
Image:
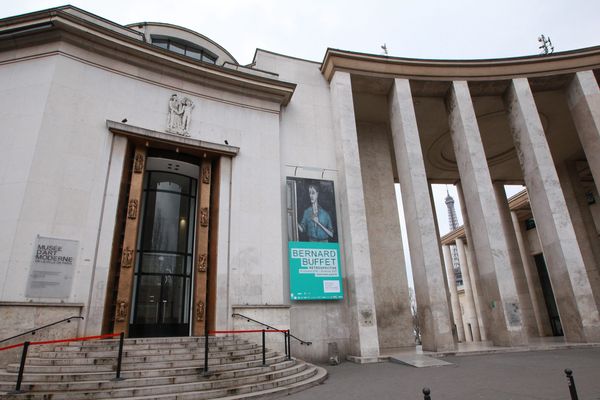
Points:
x=127 y=258
x=186 y=117
x=204 y=216
x=206 y=175
x=179 y=117
x=122 y=306
x=202 y=263
x=132 y=209
x=200 y=311
x=138 y=163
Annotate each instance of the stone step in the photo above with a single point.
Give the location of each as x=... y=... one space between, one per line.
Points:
x=158 y=368
x=269 y=390
x=196 y=390
x=282 y=390
x=223 y=369
x=145 y=350
x=109 y=384
x=108 y=344
x=214 y=364
x=148 y=361
x=145 y=355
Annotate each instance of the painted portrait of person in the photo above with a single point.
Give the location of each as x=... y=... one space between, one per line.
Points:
x=315 y=211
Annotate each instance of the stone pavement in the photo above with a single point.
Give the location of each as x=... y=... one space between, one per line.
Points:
x=508 y=376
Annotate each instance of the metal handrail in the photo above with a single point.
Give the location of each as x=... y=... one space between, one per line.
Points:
x=33 y=331
x=26 y=345
x=269 y=327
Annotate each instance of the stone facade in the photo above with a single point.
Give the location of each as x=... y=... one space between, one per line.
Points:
x=85 y=103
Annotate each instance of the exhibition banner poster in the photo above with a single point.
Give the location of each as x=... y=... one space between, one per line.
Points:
x=315 y=271
x=313 y=248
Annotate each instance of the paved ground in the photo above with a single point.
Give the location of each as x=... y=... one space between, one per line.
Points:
x=510 y=376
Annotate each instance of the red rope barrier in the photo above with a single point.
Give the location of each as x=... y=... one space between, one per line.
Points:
x=12 y=346
x=77 y=339
x=248 y=331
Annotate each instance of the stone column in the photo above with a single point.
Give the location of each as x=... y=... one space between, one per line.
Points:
x=474 y=276
x=223 y=307
x=587 y=218
x=456 y=312
x=516 y=262
x=390 y=284
x=430 y=285
x=470 y=316
x=533 y=281
x=503 y=315
x=568 y=180
x=473 y=269
x=364 y=344
x=92 y=325
x=575 y=301
x=583 y=97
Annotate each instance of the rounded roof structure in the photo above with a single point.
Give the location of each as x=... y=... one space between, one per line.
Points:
x=163 y=30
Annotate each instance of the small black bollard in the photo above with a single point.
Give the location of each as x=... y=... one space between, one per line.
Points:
x=263 y=349
x=120 y=357
x=571 y=382
x=285 y=343
x=21 y=368
x=426 y=393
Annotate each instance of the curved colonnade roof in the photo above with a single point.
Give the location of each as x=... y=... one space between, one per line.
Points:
x=355 y=62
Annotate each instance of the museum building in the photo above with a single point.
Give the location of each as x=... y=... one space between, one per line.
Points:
x=152 y=185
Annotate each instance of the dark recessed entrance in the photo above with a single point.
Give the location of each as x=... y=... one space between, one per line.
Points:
x=162 y=291
x=548 y=295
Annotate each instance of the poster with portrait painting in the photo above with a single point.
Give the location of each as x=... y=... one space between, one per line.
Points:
x=313 y=248
x=311 y=210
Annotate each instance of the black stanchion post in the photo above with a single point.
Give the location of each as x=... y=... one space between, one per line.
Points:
x=285 y=343
x=571 y=381
x=263 y=349
x=426 y=393
x=289 y=345
x=120 y=357
x=206 y=351
x=21 y=367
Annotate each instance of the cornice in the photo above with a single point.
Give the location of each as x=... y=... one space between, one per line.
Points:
x=126 y=42
x=171 y=140
x=446 y=70
x=450 y=237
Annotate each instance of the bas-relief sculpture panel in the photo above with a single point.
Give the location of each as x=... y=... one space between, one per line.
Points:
x=179 y=116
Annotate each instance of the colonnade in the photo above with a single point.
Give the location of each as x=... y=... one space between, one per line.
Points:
x=503 y=302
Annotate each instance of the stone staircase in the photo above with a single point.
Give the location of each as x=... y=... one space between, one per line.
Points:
x=158 y=368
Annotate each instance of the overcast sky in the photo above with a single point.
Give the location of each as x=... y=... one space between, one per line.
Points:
x=409 y=28
x=420 y=29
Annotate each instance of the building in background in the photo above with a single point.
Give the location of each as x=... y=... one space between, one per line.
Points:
x=150 y=183
x=453 y=224
x=534 y=278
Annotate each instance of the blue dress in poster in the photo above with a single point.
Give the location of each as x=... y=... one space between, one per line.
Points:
x=316 y=222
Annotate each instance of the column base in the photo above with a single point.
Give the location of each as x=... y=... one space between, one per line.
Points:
x=364 y=360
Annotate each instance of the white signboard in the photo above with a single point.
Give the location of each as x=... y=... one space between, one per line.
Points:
x=52 y=268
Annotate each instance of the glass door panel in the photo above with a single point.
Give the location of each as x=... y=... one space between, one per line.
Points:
x=165 y=251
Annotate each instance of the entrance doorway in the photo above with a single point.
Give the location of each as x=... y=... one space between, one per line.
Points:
x=162 y=285
x=548 y=295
